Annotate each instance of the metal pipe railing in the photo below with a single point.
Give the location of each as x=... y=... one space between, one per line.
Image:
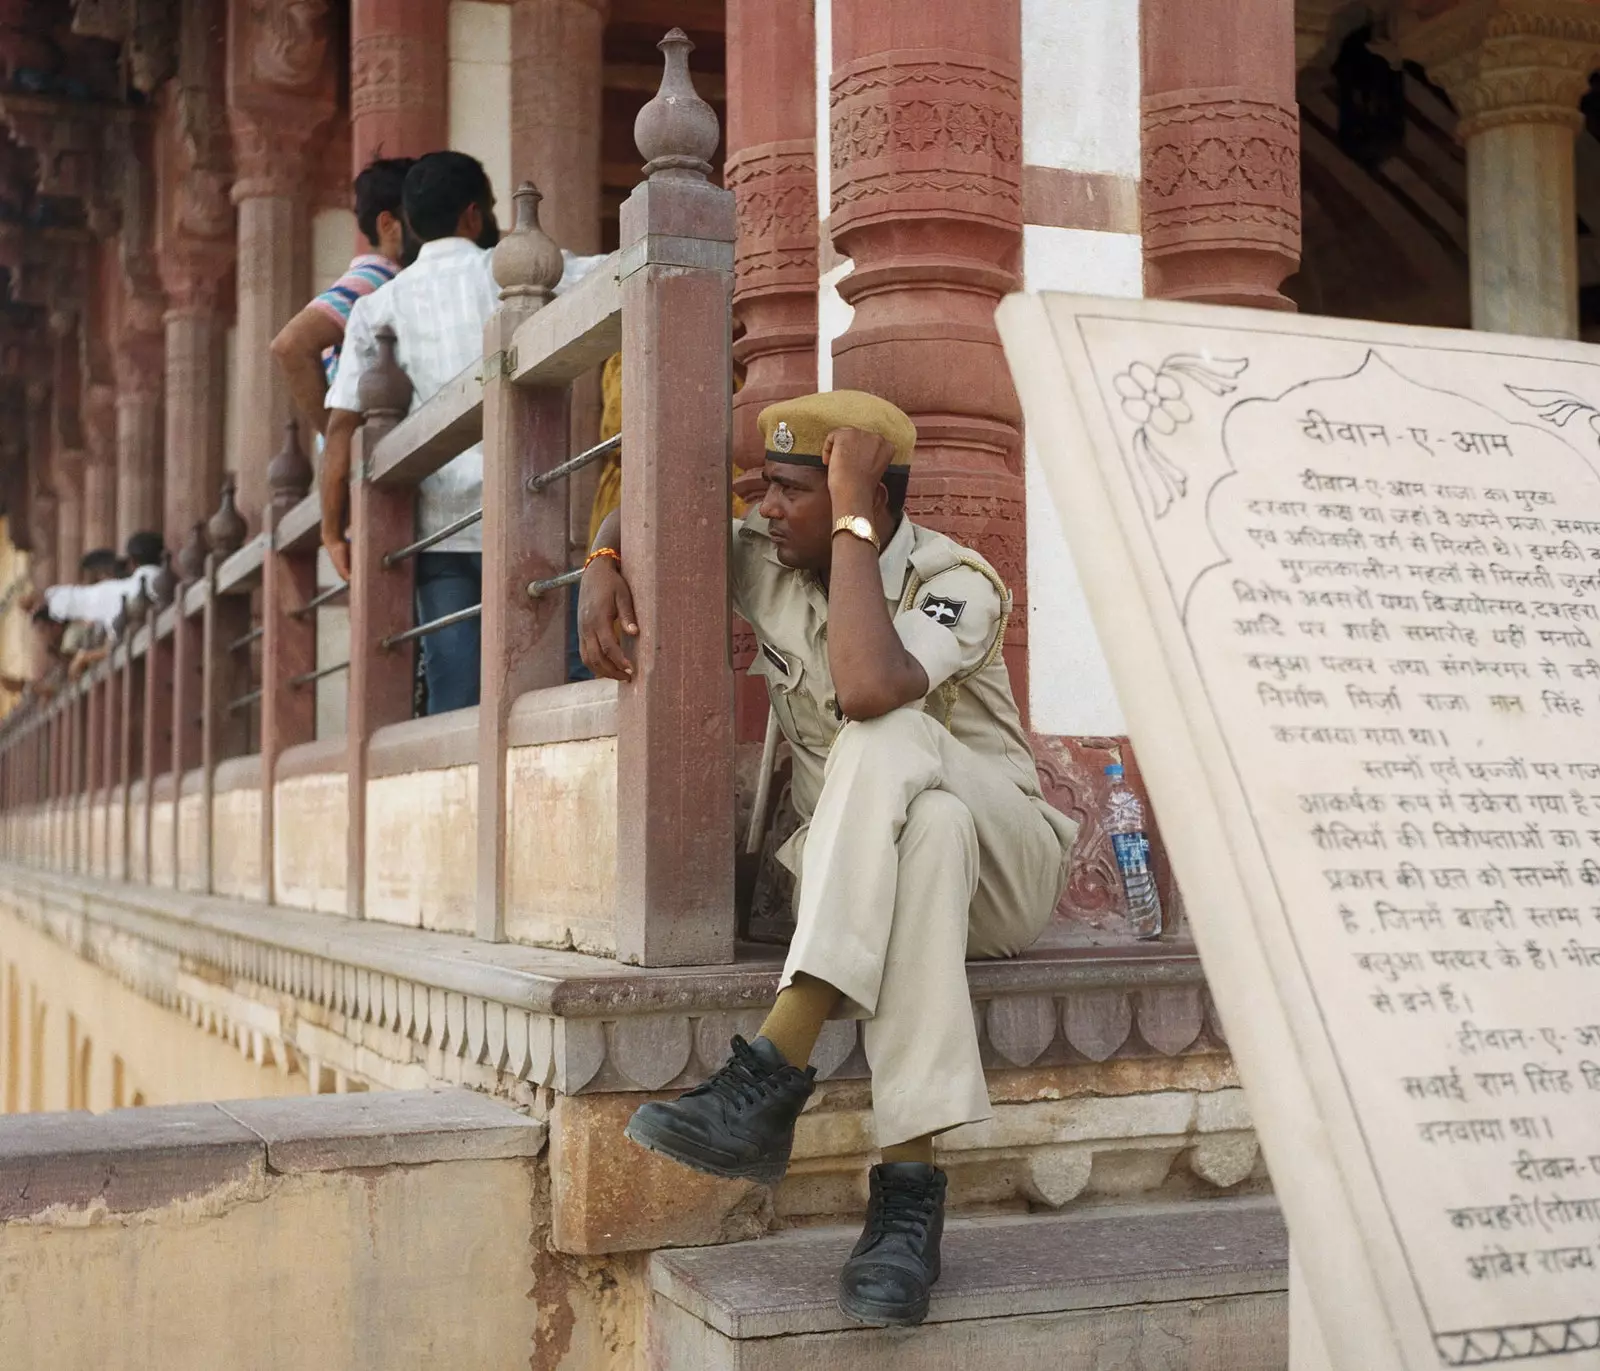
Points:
x=423 y=544
x=566 y=578
x=305 y=678
x=316 y=602
x=245 y=639
x=432 y=626
x=567 y=468
x=244 y=701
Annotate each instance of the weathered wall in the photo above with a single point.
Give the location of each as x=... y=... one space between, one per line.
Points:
x=74 y=1037
x=378 y=1232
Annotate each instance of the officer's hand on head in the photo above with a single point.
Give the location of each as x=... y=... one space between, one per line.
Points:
x=856 y=461
x=605 y=603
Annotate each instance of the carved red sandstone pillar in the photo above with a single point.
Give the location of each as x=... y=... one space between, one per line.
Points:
x=100 y=466
x=555 y=114
x=196 y=386
x=926 y=160
x=772 y=172
x=280 y=93
x=1220 y=203
x=399 y=79
x=67 y=471
x=139 y=371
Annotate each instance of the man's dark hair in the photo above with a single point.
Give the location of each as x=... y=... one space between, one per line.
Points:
x=100 y=561
x=380 y=187
x=896 y=483
x=439 y=190
x=145 y=549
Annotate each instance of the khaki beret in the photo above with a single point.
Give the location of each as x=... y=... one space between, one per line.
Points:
x=794 y=430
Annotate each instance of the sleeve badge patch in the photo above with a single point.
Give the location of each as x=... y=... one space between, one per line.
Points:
x=942 y=611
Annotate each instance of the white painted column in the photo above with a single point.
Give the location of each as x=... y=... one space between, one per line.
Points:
x=1080 y=201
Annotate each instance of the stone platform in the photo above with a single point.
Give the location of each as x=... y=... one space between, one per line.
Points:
x=1201 y=1286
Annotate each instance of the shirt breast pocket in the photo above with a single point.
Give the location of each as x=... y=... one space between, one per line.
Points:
x=785 y=676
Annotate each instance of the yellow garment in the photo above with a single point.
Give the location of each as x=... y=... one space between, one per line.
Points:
x=608 y=490
x=796 y=1020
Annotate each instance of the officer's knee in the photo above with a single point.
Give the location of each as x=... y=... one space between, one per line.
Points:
x=938 y=818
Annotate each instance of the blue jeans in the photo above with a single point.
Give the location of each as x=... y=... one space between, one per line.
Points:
x=576 y=670
x=447 y=582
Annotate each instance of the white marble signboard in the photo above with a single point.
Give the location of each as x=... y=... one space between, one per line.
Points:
x=1348 y=579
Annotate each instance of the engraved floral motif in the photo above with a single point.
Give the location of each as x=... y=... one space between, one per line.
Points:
x=1153 y=398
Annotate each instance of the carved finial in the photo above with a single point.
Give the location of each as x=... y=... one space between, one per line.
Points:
x=164 y=584
x=289 y=472
x=677 y=131
x=119 y=624
x=192 y=555
x=527 y=263
x=226 y=528
x=385 y=390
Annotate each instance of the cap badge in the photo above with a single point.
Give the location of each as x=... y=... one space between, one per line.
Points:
x=782 y=438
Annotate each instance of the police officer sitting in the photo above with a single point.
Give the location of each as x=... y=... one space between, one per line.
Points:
x=925 y=838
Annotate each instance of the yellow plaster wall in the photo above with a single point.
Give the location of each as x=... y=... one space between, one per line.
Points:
x=73 y=1037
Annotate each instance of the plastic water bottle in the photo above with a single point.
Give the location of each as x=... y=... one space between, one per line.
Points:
x=1125 y=824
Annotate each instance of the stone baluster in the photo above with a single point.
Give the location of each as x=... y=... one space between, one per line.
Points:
x=382 y=598
x=192 y=555
x=1516 y=70
x=157 y=750
x=675 y=719
x=525 y=431
x=188 y=675
x=288 y=636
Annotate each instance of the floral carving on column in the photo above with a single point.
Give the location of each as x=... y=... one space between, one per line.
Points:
x=1221 y=175
x=281 y=91
x=926 y=161
x=774 y=189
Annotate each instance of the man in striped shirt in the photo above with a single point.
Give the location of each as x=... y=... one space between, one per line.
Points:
x=308 y=346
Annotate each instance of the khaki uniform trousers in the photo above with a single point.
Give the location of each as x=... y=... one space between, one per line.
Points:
x=920 y=854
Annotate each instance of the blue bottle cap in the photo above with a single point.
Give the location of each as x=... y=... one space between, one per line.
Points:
x=1114 y=771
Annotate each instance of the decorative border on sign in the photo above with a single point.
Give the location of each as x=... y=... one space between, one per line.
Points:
x=1516 y=1342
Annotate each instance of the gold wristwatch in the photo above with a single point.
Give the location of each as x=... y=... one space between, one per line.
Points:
x=859 y=527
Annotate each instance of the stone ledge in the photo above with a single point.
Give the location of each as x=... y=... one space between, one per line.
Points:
x=128 y=1160
x=386 y=1128
x=993 y=1268
x=564 y=1020
x=131 y=1160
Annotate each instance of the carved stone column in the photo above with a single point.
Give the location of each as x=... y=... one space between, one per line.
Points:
x=399 y=79
x=1220 y=203
x=67 y=482
x=281 y=92
x=925 y=132
x=196 y=387
x=556 y=115
x=1515 y=71
x=772 y=172
x=140 y=366
x=100 y=466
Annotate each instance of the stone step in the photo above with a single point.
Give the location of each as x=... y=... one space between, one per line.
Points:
x=1198 y=1286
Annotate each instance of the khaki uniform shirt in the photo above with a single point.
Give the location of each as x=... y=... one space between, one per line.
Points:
x=949 y=609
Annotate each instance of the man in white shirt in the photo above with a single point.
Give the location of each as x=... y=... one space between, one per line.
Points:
x=101 y=601
x=437 y=308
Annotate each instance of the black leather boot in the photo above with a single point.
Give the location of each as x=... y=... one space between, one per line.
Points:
x=888 y=1276
x=739 y=1124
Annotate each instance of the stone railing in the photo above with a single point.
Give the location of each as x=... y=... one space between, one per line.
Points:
x=190 y=758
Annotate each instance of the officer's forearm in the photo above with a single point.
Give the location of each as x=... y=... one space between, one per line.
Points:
x=872 y=671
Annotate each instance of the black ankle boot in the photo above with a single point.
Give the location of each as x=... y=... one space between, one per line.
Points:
x=895 y=1264
x=739 y=1124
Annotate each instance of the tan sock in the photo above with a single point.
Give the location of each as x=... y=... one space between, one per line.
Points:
x=913 y=1150
x=796 y=1020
